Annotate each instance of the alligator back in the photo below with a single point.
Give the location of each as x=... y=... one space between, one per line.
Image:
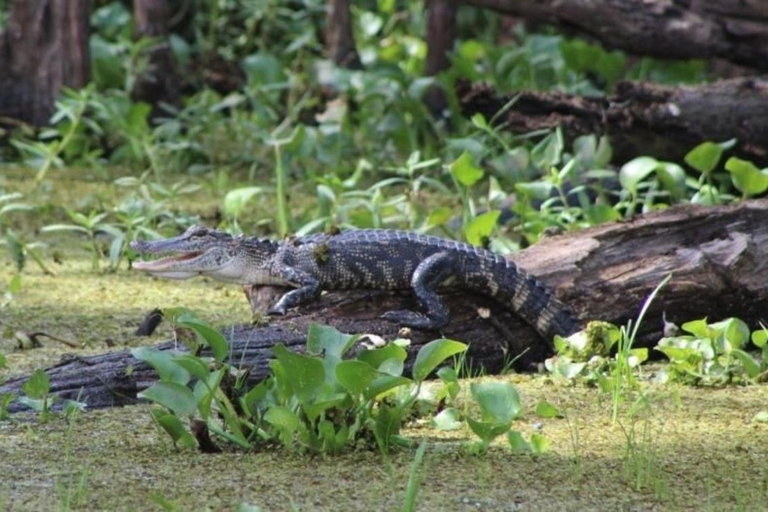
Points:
x=387 y=259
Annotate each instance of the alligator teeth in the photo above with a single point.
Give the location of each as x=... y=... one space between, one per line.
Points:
x=162 y=263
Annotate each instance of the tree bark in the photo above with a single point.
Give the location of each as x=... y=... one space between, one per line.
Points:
x=160 y=82
x=718 y=257
x=734 y=30
x=441 y=32
x=644 y=119
x=43 y=48
x=340 y=38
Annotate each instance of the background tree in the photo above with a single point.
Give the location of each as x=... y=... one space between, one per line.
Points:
x=43 y=48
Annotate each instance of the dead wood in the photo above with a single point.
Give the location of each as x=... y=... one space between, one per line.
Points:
x=643 y=119
x=718 y=257
x=733 y=30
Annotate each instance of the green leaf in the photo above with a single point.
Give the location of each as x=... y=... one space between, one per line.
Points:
x=324 y=338
x=751 y=366
x=305 y=374
x=211 y=336
x=545 y=409
x=378 y=356
x=746 y=176
x=635 y=171
x=488 y=431
x=498 y=401
x=3 y=361
x=282 y=418
x=16 y=251
x=760 y=417
x=433 y=354
x=162 y=361
x=734 y=330
x=548 y=152
x=447 y=419
x=704 y=157
x=174 y=428
x=38 y=385
x=480 y=228
x=196 y=367
x=173 y=396
x=479 y=121
x=672 y=177
x=355 y=375
x=236 y=200
x=699 y=328
x=760 y=338
x=539 y=443
x=384 y=384
x=518 y=443
x=465 y=171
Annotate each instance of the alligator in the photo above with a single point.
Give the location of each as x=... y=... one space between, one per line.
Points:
x=355 y=259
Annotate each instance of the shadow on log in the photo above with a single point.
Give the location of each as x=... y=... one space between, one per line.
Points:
x=719 y=258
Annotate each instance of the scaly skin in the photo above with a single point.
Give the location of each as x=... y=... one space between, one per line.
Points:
x=368 y=258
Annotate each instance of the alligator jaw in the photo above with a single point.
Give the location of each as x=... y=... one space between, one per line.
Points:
x=164 y=263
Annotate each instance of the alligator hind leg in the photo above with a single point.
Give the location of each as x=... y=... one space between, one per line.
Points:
x=425 y=280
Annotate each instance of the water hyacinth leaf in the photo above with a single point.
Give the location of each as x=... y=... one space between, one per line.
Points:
x=305 y=374
x=704 y=157
x=672 y=176
x=377 y=356
x=539 y=443
x=498 y=401
x=488 y=431
x=518 y=443
x=760 y=338
x=635 y=171
x=433 y=354
x=324 y=338
x=211 y=336
x=746 y=176
x=173 y=396
x=384 y=384
x=162 y=361
x=447 y=419
x=699 y=328
x=465 y=171
x=479 y=229
x=751 y=366
x=355 y=375
x=734 y=330
x=282 y=418
x=174 y=428
x=193 y=365
x=38 y=385
x=545 y=409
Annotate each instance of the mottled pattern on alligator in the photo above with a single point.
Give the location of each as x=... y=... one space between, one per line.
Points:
x=368 y=258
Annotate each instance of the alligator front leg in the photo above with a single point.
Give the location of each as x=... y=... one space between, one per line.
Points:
x=307 y=290
x=425 y=280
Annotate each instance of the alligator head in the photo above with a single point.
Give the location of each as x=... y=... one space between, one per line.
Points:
x=200 y=251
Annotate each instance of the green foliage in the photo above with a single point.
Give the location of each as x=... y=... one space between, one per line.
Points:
x=316 y=401
x=714 y=354
x=36 y=394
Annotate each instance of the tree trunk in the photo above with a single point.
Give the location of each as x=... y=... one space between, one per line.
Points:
x=340 y=38
x=160 y=82
x=43 y=48
x=441 y=32
x=734 y=30
x=644 y=119
x=718 y=257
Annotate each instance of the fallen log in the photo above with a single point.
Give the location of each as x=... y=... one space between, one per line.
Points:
x=718 y=257
x=641 y=118
x=733 y=30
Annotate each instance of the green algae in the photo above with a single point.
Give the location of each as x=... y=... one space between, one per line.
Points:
x=701 y=446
